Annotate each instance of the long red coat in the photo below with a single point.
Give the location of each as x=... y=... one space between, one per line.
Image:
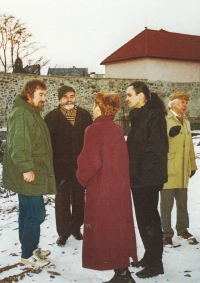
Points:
x=103 y=168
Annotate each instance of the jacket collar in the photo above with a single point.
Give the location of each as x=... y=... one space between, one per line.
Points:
x=102 y=118
x=170 y=115
x=141 y=111
x=64 y=120
x=18 y=101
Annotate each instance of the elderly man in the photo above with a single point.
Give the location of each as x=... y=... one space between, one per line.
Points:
x=67 y=124
x=181 y=167
x=28 y=167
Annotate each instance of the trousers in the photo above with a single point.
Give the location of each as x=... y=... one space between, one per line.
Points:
x=166 y=205
x=148 y=219
x=31 y=216
x=69 y=207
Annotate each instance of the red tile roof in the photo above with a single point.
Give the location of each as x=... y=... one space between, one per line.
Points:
x=158 y=44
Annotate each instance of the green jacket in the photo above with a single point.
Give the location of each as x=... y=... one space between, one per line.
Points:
x=181 y=155
x=28 y=147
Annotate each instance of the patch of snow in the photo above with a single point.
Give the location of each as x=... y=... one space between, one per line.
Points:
x=181 y=264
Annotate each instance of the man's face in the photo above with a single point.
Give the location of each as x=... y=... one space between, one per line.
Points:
x=39 y=98
x=179 y=106
x=131 y=98
x=68 y=100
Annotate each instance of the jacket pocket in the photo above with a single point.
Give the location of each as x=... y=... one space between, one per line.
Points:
x=41 y=176
x=170 y=164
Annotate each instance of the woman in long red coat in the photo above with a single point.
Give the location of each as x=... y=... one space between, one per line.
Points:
x=103 y=168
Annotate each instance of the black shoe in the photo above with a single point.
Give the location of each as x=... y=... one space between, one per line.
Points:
x=120 y=277
x=150 y=271
x=61 y=241
x=77 y=235
x=140 y=263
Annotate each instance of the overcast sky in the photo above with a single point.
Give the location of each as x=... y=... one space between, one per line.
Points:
x=82 y=33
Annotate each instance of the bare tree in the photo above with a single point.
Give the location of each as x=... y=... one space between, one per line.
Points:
x=16 y=41
x=4 y=40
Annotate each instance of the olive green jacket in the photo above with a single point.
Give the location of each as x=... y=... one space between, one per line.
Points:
x=181 y=156
x=28 y=147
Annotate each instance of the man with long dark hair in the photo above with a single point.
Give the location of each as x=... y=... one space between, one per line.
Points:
x=148 y=146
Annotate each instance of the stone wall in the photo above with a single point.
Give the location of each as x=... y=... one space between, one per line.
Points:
x=11 y=84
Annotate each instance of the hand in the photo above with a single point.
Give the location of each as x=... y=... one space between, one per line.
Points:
x=174 y=131
x=29 y=176
x=192 y=173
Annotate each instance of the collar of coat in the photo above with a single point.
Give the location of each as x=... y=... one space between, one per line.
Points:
x=102 y=118
x=18 y=101
x=143 y=110
x=170 y=115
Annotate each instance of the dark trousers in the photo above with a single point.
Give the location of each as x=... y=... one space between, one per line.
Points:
x=148 y=219
x=31 y=216
x=69 y=207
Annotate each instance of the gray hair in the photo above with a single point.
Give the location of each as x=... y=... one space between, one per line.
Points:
x=172 y=102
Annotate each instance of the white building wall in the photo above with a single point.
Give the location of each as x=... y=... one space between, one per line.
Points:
x=155 y=69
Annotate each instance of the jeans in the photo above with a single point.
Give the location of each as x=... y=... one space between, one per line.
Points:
x=31 y=215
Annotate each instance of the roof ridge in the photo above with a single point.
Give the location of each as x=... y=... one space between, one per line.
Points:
x=158 y=44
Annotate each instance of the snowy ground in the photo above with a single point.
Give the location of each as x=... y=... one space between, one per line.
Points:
x=181 y=264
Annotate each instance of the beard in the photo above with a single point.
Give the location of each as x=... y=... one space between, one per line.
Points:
x=40 y=106
x=67 y=106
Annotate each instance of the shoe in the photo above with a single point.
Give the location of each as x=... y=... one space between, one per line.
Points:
x=61 y=241
x=140 y=263
x=40 y=253
x=121 y=277
x=35 y=261
x=150 y=271
x=167 y=241
x=187 y=236
x=77 y=235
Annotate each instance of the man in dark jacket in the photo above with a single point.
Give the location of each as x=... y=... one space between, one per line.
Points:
x=67 y=124
x=28 y=167
x=147 y=145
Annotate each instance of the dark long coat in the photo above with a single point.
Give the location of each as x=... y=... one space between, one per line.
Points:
x=103 y=168
x=67 y=141
x=148 y=146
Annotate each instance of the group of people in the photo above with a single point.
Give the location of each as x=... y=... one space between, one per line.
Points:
x=67 y=152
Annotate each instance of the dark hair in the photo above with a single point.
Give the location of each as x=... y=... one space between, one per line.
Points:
x=108 y=103
x=156 y=101
x=30 y=87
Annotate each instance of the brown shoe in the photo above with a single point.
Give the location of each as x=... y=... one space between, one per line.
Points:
x=167 y=241
x=185 y=235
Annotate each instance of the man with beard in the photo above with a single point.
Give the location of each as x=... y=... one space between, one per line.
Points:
x=67 y=124
x=28 y=167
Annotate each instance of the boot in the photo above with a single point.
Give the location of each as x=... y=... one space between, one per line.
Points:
x=61 y=241
x=122 y=276
x=140 y=263
x=150 y=271
x=77 y=235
